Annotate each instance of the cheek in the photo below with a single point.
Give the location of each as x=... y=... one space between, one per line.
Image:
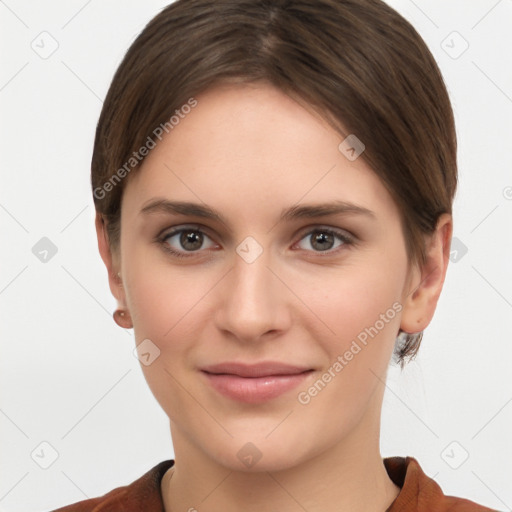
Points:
x=166 y=306
x=355 y=299
x=162 y=300
x=363 y=310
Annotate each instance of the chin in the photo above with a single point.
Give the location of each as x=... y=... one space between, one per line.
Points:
x=253 y=454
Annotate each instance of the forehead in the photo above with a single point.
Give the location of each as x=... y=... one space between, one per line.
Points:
x=246 y=146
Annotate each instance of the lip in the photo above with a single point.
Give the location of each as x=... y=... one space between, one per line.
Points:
x=254 y=383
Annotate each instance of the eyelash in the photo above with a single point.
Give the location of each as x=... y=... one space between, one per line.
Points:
x=345 y=238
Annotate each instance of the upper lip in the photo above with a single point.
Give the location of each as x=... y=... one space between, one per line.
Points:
x=263 y=369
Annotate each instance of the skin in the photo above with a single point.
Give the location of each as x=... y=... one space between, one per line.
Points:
x=249 y=151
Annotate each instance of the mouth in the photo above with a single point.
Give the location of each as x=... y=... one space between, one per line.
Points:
x=255 y=383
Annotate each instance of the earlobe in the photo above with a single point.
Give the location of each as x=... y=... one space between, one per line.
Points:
x=425 y=285
x=122 y=318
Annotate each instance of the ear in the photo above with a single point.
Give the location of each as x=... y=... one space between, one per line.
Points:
x=111 y=261
x=425 y=284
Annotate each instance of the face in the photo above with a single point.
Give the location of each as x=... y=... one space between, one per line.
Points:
x=273 y=321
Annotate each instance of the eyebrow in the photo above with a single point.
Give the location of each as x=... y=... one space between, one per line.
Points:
x=308 y=211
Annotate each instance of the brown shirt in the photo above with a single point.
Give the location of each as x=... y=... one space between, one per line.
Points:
x=419 y=493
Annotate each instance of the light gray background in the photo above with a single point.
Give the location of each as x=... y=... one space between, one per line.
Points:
x=68 y=374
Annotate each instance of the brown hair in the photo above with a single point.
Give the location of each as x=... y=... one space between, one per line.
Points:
x=358 y=62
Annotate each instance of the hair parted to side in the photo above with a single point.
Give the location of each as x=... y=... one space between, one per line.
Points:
x=357 y=62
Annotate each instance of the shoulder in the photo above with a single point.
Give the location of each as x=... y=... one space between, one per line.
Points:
x=420 y=493
x=142 y=494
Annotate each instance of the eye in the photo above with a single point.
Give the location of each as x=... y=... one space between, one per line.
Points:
x=186 y=240
x=324 y=240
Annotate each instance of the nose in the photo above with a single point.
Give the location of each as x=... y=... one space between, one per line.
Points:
x=253 y=301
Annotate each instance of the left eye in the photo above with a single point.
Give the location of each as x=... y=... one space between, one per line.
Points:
x=323 y=239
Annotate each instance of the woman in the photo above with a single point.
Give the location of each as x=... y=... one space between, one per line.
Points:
x=273 y=183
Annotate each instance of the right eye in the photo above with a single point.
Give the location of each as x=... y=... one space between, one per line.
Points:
x=186 y=240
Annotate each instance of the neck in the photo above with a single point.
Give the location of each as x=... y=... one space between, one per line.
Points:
x=350 y=476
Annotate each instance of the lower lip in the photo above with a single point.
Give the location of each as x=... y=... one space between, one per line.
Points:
x=254 y=389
